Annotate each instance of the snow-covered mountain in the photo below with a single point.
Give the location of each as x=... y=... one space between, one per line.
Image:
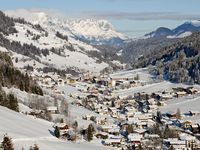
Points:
x=92 y=31
x=69 y=42
x=181 y=31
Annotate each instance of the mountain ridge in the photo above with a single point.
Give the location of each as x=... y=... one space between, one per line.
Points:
x=93 y=31
x=180 y=31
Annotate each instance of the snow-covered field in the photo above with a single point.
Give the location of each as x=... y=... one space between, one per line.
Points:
x=26 y=131
x=149 y=88
x=185 y=104
x=142 y=73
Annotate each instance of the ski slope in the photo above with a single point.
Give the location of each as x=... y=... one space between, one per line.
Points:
x=26 y=130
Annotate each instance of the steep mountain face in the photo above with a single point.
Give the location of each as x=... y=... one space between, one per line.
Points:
x=181 y=31
x=94 y=32
x=179 y=62
x=48 y=42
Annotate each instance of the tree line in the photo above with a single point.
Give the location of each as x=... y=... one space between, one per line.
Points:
x=10 y=76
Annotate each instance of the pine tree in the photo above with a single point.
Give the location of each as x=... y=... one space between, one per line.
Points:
x=112 y=104
x=7 y=143
x=57 y=132
x=13 y=104
x=129 y=129
x=75 y=125
x=140 y=147
x=35 y=147
x=89 y=133
x=21 y=86
x=31 y=148
x=166 y=133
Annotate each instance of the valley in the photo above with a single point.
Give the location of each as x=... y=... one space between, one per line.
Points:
x=80 y=84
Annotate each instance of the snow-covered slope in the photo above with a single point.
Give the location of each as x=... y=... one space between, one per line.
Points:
x=26 y=131
x=74 y=53
x=93 y=31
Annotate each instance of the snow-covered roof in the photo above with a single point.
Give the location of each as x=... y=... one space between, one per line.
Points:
x=135 y=137
x=52 y=108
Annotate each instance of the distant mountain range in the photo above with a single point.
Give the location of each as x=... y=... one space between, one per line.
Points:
x=92 y=31
x=156 y=40
x=181 y=31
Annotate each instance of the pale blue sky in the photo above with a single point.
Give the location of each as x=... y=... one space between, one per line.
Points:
x=132 y=17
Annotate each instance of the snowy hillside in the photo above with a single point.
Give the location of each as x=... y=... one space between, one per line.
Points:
x=65 y=42
x=26 y=131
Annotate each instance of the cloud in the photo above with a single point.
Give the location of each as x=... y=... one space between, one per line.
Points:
x=138 y=15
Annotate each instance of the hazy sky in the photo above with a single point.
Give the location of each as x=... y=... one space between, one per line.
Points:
x=132 y=17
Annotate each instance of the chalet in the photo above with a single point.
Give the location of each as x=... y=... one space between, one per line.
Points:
x=125 y=124
x=151 y=136
x=114 y=112
x=186 y=124
x=130 y=114
x=92 y=96
x=100 y=120
x=108 y=127
x=112 y=83
x=103 y=111
x=47 y=79
x=87 y=117
x=71 y=80
x=135 y=138
x=114 y=131
x=166 y=96
x=112 y=142
x=152 y=101
x=52 y=109
x=102 y=135
x=61 y=82
x=181 y=93
x=140 y=131
x=36 y=113
x=132 y=83
x=63 y=127
x=175 y=143
x=194 y=128
x=190 y=140
x=191 y=90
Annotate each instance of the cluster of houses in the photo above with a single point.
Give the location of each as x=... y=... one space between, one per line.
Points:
x=122 y=120
x=136 y=112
